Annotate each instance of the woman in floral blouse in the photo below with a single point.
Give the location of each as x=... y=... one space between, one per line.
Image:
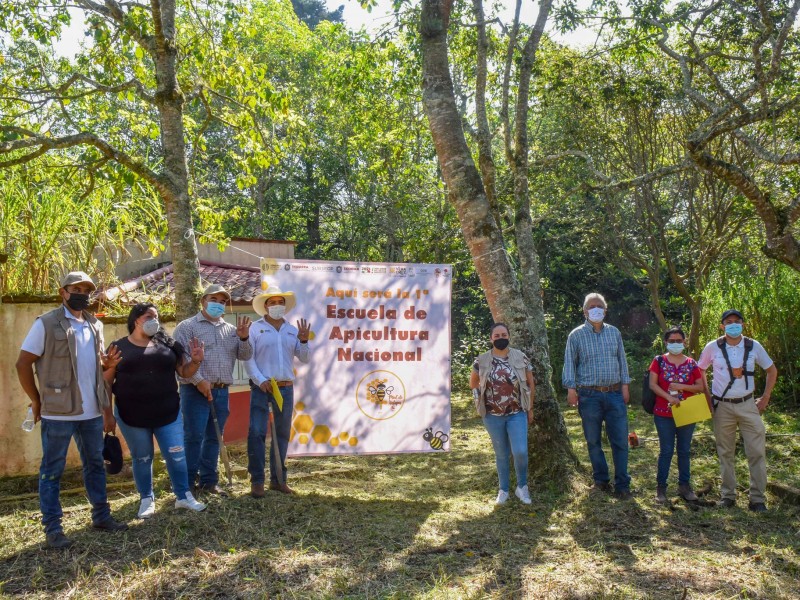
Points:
x=673 y=377
x=503 y=389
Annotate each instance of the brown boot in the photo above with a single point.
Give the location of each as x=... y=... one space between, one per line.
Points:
x=685 y=492
x=281 y=487
x=257 y=490
x=661 y=495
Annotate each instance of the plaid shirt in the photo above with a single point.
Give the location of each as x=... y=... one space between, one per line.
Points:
x=222 y=348
x=593 y=358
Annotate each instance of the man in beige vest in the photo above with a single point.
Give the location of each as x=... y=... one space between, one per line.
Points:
x=66 y=347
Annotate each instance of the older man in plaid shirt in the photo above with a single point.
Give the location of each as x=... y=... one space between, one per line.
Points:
x=597 y=381
x=224 y=343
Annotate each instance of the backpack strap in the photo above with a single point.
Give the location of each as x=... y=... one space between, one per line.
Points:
x=748 y=346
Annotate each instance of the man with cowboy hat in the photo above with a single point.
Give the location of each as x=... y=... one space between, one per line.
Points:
x=224 y=343
x=275 y=344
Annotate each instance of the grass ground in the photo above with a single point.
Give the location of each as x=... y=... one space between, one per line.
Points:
x=421 y=526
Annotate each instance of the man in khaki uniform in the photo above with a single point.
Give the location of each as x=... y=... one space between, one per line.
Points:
x=735 y=405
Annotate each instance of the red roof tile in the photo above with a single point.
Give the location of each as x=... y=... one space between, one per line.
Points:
x=243 y=283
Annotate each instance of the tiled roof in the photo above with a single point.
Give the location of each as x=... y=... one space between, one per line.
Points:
x=243 y=283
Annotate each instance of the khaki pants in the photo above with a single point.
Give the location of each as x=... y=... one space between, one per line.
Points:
x=745 y=416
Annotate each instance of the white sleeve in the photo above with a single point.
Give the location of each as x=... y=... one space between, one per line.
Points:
x=34 y=341
x=706 y=356
x=762 y=358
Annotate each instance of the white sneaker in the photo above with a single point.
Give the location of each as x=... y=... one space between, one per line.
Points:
x=523 y=495
x=502 y=497
x=147 y=508
x=190 y=503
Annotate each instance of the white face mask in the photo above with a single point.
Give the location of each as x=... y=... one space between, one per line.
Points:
x=150 y=327
x=596 y=314
x=276 y=311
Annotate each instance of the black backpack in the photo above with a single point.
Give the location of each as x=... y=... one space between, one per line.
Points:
x=748 y=347
x=648 y=395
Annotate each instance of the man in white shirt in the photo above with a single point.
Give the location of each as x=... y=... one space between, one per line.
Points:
x=66 y=346
x=275 y=344
x=735 y=405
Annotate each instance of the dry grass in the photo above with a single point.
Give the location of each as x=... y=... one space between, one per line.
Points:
x=418 y=526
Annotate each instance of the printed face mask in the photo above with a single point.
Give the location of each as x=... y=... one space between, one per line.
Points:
x=151 y=327
x=215 y=309
x=276 y=311
x=596 y=314
x=78 y=301
x=675 y=347
x=500 y=343
x=733 y=329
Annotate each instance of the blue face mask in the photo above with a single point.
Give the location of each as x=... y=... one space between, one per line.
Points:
x=733 y=329
x=215 y=309
x=675 y=347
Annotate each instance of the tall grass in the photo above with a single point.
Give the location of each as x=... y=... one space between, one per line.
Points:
x=50 y=225
x=768 y=294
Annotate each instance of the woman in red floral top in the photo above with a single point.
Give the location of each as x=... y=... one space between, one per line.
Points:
x=673 y=377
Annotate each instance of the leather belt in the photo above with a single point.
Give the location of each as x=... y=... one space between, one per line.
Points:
x=734 y=400
x=601 y=388
x=219 y=386
x=284 y=383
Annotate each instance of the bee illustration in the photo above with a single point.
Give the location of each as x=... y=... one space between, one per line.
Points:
x=436 y=440
x=380 y=392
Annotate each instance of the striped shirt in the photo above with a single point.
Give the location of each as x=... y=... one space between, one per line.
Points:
x=222 y=348
x=594 y=358
x=274 y=351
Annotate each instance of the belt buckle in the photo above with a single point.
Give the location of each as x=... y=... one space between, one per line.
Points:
x=604 y=388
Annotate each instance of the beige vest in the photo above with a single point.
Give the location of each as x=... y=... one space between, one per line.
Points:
x=56 y=368
x=516 y=358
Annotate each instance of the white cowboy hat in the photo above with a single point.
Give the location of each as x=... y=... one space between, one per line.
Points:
x=273 y=290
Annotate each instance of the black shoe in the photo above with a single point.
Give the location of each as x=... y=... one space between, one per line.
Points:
x=110 y=525
x=212 y=489
x=726 y=503
x=757 y=507
x=623 y=495
x=602 y=487
x=57 y=539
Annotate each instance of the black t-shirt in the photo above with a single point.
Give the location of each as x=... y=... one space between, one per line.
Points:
x=145 y=387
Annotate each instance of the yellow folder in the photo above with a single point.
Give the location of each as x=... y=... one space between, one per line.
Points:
x=276 y=393
x=692 y=410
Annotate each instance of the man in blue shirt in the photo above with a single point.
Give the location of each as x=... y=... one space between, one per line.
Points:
x=597 y=381
x=275 y=344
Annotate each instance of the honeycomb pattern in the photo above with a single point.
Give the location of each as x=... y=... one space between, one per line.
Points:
x=306 y=431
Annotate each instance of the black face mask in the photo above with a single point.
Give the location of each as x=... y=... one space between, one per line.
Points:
x=501 y=343
x=78 y=301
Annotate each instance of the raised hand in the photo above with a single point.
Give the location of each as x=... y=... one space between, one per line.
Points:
x=110 y=359
x=196 y=350
x=243 y=327
x=303 y=330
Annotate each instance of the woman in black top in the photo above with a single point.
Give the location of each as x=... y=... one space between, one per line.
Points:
x=147 y=404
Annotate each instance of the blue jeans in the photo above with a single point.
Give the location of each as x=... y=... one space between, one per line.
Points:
x=595 y=409
x=509 y=434
x=256 y=435
x=55 y=443
x=667 y=434
x=170 y=442
x=199 y=434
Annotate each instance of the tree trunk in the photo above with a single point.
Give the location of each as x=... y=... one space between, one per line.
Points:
x=553 y=453
x=169 y=100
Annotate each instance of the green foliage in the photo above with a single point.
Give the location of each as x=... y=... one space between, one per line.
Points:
x=49 y=225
